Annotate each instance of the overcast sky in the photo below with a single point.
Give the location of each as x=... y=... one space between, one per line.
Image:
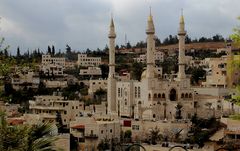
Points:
x=84 y=23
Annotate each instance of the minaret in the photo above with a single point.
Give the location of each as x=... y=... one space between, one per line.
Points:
x=150 y=47
x=111 y=92
x=181 y=56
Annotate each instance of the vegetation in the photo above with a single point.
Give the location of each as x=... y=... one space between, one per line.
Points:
x=104 y=145
x=155 y=135
x=26 y=138
x=202 y=130
x=198 y=74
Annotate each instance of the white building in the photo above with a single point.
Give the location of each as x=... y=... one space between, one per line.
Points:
x=95 y=85
x=28 y=79
x=158 y=56
x=91 y=71
x=52 y=65
x=47 y=106
x=84 y=60
x=216 y=72
x=154 y=97
x=91 y=130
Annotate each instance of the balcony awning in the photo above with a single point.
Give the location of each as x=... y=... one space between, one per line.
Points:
x=78 y=127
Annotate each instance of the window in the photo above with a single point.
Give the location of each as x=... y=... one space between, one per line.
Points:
x=182 y=96
x=72 y=107
x=135 y=127
x=65 y=112
x=119 y=92
x=110 y=130
x=139 y=93
x=136 y=92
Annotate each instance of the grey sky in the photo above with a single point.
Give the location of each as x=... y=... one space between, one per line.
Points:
x=84 y=23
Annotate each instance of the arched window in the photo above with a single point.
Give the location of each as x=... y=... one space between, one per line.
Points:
x=135 y=92
x=139 y=92
x=186 y=95
x=159 y=95
x=149 y=95
x=173 y=95
x=190 y=95
x=155 y=95
x=182 y=96
x=163 y=95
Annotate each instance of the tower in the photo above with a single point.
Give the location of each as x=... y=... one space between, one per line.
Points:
x=150 y=31
x=111 y=91
x=181 y=54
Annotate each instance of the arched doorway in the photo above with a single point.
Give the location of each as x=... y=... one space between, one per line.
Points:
x=173 y=95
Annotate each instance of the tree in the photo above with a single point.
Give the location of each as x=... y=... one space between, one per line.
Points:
x=155 y=135
x=18 y=52
x=104 y=68
x=128 y=45
x=49 y=50
x=26 y=138
x=59 y=122
x=137 y=69
x=178 y=111
x=53 y=50
x=103 y=145
x=236 y=35
x=128 y=135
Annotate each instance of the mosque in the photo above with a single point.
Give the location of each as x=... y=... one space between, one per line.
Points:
x=153 y=97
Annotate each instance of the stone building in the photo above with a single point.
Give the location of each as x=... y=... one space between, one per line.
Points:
x=85 y=61
x=52 y=65
x=91 y=130
x=154 y=97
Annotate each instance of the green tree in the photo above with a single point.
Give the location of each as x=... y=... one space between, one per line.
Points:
x=236 y=35
x=155 y=135
x=18 y=52
x=26 y=138
x=137 y=69
x=178 y=111
x=104 y=145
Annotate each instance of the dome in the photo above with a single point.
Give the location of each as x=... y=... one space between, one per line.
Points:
x=144 y=74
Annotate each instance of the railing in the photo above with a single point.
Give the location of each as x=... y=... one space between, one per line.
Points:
x=91 y=136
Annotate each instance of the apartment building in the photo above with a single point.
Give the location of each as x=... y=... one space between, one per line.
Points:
x=47 y=106
x=158 y=56
x=218 y=71
x=95 y=85
x=91 y=71
x=91 y=130
x=27 y=79
x=52 y=65
x=85 y=61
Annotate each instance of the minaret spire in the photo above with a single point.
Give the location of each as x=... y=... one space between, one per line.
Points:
x=181 y=56
x=111 y=93
x=150 y=31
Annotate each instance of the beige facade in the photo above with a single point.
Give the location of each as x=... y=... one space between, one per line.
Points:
x=48 y=106
x=28 y=79
x=85 y=61
x=55 y=84
x=95 y=85
x=217 y=72
x=91 y=71
x=158 y=56
x=91 y=130
x=155 y=97
x=52 y=65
